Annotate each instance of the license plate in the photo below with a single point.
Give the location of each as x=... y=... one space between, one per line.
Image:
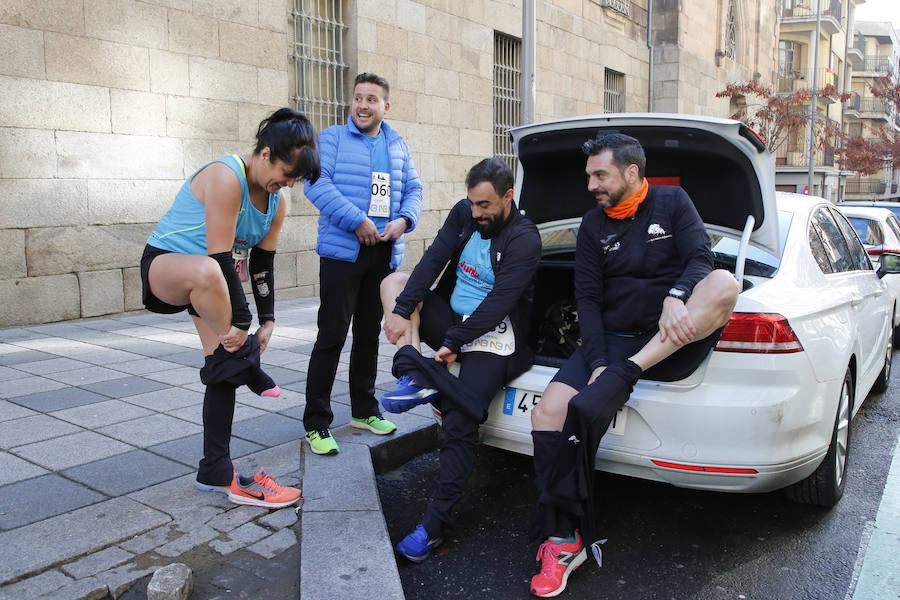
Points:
x=520 y=402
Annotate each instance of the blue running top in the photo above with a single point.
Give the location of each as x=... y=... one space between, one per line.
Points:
x=183 y=228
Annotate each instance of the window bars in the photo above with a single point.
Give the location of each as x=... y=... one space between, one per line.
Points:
x=731 y=32
x=318 y=69
x=507 y=96
x=613 y=91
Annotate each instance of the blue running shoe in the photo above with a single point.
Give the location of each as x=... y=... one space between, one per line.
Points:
x=407 y=395
x=416 y=546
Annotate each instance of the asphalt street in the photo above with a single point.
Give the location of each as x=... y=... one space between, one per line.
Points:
x=663 y=542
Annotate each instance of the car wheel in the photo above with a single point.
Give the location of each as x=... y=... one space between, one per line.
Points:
x=881 y=382
x=825 y=486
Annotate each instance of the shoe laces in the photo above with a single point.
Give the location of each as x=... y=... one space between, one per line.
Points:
x=322 y=433
x=547 y=557
x=268 y=482
x=404 y=380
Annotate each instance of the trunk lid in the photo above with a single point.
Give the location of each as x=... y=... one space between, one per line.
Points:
x=720 y=163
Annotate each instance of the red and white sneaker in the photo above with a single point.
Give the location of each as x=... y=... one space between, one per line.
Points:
x=263 y=491
x=558 y=560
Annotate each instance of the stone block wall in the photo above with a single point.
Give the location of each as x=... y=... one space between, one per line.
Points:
x=107 y=106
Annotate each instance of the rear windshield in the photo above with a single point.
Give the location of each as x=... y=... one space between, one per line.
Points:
x=759 y=262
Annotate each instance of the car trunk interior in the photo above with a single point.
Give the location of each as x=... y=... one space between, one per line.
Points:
x=719 y=178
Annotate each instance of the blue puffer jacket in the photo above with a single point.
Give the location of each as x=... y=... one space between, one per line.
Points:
x=343 y=191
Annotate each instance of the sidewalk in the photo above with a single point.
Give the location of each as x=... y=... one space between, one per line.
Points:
x=100 y=434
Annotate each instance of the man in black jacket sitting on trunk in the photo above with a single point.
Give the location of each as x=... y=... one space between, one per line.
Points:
x=649 y=305
x=478 y=316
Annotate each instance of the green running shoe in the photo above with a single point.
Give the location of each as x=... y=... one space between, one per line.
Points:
x=375 y=424
x=321 y=441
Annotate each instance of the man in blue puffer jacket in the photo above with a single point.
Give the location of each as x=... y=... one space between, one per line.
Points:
x=368 y=196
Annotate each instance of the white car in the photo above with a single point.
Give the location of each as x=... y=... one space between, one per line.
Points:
x=770 y=407
x=879 y=230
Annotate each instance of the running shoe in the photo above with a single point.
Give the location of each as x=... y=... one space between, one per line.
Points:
x=417 y=546
x=558 y=560
x=375 y=424
x=262 y=490
x=407 y=395
x=222 y=489
x=321 y=441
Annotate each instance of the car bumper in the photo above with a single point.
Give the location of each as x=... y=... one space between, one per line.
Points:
x=761 y=413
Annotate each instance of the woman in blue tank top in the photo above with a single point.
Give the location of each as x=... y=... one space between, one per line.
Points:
x=223 y=228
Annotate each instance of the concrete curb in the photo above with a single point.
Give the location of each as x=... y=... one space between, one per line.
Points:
x=345 y=548
x=879 y=578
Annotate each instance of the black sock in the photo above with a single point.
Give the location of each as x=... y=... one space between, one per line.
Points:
x=218 y=412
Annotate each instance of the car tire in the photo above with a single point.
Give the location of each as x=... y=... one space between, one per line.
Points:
x=884 y=378
x=825 y=486
x=896 y=337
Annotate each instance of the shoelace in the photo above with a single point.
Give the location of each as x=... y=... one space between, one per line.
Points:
x=547 y=558
x=269 y=483
x=322 y=433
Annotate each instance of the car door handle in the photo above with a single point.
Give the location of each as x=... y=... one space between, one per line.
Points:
x=855 y=301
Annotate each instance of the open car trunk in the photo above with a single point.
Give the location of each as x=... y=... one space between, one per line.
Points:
x=722 y=166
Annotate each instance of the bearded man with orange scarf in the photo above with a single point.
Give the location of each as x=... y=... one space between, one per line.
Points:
x=649 y=306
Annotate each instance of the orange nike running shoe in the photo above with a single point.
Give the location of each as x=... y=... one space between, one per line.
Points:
x=263 y=490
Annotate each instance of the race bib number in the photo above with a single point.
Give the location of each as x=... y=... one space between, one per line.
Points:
x=501 y=340
x=241 y=258
x=380 y=203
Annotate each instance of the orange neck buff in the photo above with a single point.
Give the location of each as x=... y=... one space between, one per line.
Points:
x=628 y=207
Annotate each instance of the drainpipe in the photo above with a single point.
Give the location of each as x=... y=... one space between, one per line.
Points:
x=528 y=42
x=650 y=52
x=814 y=100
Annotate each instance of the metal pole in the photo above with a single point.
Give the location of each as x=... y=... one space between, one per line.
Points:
x=650 y=54
x=813 y=100
x=528 y=42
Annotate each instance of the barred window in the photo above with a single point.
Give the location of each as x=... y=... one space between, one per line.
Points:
x=730 y=32
x=318 y=68
x=614 y=91
x=507 y=97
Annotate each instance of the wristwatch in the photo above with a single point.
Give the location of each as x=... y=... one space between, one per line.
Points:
x=679 y=294
x=408 y=221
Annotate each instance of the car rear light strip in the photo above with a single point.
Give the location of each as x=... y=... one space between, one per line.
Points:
x=758 y=333
x=733 y=470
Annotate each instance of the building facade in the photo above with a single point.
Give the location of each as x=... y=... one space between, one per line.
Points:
x=805 y=27
x=875 y=53
x=109 y=105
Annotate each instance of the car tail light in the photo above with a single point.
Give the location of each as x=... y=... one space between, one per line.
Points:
x=761 y=333
x=702 y=469
x=878 y=251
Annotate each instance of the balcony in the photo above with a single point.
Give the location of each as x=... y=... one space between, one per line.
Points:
x=857 y=52
x=852 y=106
x=874 y=108
x=797 y=12
x=870 y=188
x=802 y=80
x=874 y=66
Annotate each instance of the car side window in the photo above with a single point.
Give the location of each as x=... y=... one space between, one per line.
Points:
x=818 y=249
x=833 y=242
x=894 y=226
x=858 y=257
x=869 y=231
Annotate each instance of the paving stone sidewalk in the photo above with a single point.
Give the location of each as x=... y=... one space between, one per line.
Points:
x=100 y=434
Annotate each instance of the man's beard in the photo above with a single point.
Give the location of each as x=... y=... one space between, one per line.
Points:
x=611 y=198
x=489 y=229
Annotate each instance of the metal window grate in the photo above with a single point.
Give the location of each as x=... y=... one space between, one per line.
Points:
x=507 y=95
x=318 y=70
x=731 y=32
x=614 y=91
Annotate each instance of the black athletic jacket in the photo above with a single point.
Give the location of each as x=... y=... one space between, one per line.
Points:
x=625 y=267
x=515 y=254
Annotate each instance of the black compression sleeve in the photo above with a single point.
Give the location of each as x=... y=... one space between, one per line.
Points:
x=240 y=312
x=262 y=278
